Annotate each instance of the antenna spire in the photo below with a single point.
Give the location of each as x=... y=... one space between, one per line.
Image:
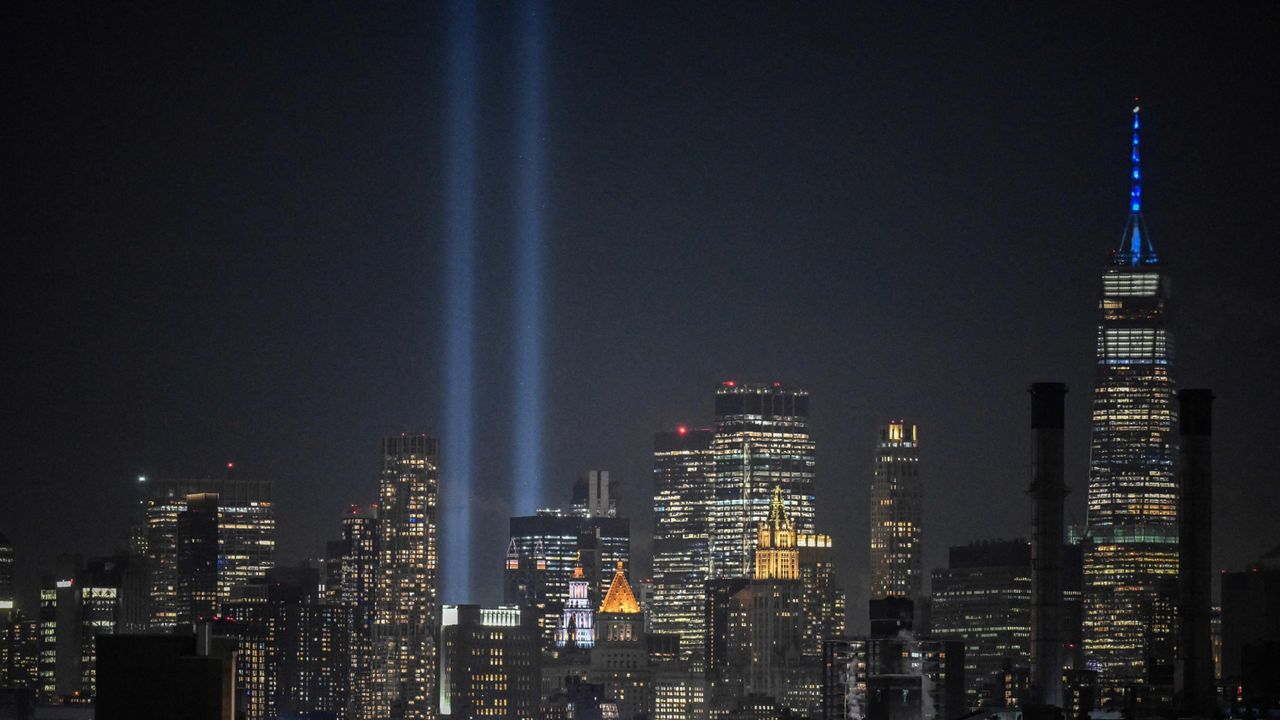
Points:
x=1135 y=193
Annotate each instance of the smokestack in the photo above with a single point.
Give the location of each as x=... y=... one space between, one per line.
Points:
x=1195 y=504
x=1047 y=491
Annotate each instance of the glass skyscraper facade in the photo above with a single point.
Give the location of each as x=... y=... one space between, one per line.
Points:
x=405 y=612
x=683 y=469
x=896 y=510
x=1131 y=555
x=761 y=441
x=246 y=538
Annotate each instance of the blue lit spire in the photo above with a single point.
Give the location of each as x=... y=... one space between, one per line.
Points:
x=1135 y=247
x=1135 y=194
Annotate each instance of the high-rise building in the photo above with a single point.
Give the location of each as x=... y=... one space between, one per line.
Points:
x=683 y=494
x=1131 y=555
x=1251 y=629
x=761 y=441
x=824 y=600
x=78 y=604
x=197 y=559
x=896 y=509
x=356 y=585
x=291 y=647
x=405 y=620
x=546 y=550
x=19 y=652
x=899 y=678
x=246 y=538
x=766 y=622
x=983 y=599
x=620 y=659
x=6 y=579
x=489 y=663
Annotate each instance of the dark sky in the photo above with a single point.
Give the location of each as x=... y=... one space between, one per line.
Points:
x=223 y=241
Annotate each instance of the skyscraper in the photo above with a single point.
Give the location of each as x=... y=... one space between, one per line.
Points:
x=356 y=592
x=405 y=617
x=761 y=441
x=1131 y=558
x=896 y=508
x=683 y=469
x=6 y=579
x=489 y=663
x=246 y=538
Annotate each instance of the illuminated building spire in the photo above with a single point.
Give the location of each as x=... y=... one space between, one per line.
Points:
x=1135 y=193
x=1135 y=245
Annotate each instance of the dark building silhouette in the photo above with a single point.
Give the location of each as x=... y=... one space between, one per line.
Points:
x=1048 y=490
x=177 y=677
x=197 y=559
x=1195 y=527
x=1251 y=630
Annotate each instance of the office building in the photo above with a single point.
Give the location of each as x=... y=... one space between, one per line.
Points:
x=246 y=537
x=1251 y=629
x=405 y=673
x=983 y=599
x=896 y=509
x=357 y=554
x=683 y=495
x=620 y=659
x=489 y=663
x=902 y=678
x=577 y=623
x=7 y=596
x=761 y=441
x=1131 y=555
x=545 y=552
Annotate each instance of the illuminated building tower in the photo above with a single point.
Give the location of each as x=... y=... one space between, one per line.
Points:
x=19 y=652
x=246 y=538
x=356 y=586
x=620 y=659
x=761 y=441
x=197 y=559
x=6 y=579
x=766 y=624
x=1131 y=555
x=896 y=509
x=546 y=550
x=683 y=468
x=405 y=615
x=291 y=658
x=77 y=605
x=489 y=663
x=577 y=629
x=824 y=601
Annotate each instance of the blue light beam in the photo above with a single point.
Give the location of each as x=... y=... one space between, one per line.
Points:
x=457 y=471
x=530 y=260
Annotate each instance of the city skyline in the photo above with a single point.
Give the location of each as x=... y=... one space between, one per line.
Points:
x=328 y=394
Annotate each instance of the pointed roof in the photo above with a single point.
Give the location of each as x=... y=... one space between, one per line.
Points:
x=1135 y=244
x=620 y=599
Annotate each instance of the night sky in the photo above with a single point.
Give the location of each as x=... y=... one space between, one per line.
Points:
x=224 y=240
